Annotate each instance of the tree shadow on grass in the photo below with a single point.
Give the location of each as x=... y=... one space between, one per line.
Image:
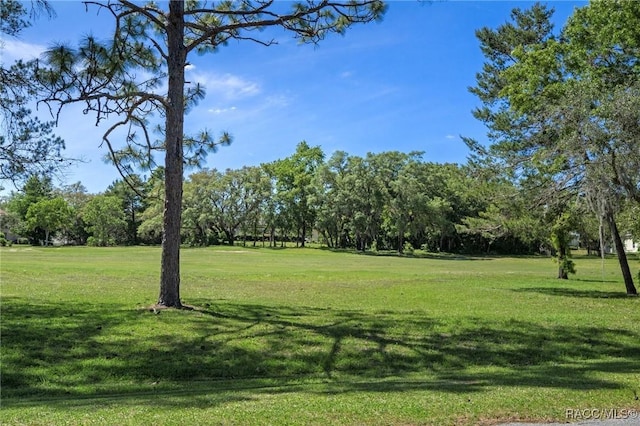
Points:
x=62 y=351
x=573 y=292
x=586 y=280
x=410 y=255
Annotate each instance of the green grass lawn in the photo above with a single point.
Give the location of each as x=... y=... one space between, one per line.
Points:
x=310 y=336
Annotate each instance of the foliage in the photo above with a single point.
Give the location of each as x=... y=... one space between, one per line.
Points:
x=35 y=189
x=295 y=189
x=131 y=192
x=150 y=229
x=556 y=106
x=105 y=220
x=221 y=203
x=560 y=239
x=76 y=196
x=4 y=242
x=49 y=215
x=27 y=144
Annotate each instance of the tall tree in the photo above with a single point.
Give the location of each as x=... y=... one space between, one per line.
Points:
x=546 y=102
x=156 y=42
x=295 y=187
x=76 y=196
x=132 y=194
x=27 y=144
x=331 y=198
x=150 y=228
x=105 y=220
x=223 y=202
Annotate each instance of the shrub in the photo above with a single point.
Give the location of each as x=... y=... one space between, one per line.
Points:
x=97 y=242
x=407 y=248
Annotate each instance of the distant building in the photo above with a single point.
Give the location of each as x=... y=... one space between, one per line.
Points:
x=631 y=245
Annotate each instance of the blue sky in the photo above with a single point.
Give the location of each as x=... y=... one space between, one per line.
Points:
x=400 y=84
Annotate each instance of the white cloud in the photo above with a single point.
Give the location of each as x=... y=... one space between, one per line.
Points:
x=227 y=86
x=450 y=137
x=13 y=50
x=221 y=110
x=346 y=74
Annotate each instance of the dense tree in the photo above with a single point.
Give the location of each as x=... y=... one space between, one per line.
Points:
x=333 y=210
x=552 y=117
x=132 y=195
x=76 y=196
x=386 y=199
x=223 y=202
x=150 y=230
x=105 y=220
x=399 y=190
x=366 y=197
x=561 y=235
x=35 y=189
x=50 y=215
x=512 y=220
x=156 y=42
x=295 y=187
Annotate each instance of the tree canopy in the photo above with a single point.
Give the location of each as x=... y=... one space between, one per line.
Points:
x=562 y=108
x=27 y=145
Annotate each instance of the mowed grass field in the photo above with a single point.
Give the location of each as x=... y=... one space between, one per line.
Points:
x=311 y=336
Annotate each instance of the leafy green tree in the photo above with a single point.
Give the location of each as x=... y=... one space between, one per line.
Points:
x=295 y=187
x=402 y=193
x=50 y=215
x=150 y=230
x=550 y=104
x=630 y=220
x=35 y=189
x=155 y=40
x=105 y=220
x=331 y=198
x=132 y=195
x=270 y=209
x=197 y=213
x=223 y=202
x=257 y=191
x=76 y=196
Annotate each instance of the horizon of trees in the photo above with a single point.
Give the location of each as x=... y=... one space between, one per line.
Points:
x=389 y=201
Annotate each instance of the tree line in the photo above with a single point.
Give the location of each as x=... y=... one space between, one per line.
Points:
x=386 y=201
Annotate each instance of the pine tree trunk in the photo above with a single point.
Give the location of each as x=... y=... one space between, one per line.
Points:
x=622 y=256
x=174 y=133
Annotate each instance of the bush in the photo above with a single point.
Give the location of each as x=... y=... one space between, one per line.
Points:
x=97 y=242
x=4 y=242
x=407 y=248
